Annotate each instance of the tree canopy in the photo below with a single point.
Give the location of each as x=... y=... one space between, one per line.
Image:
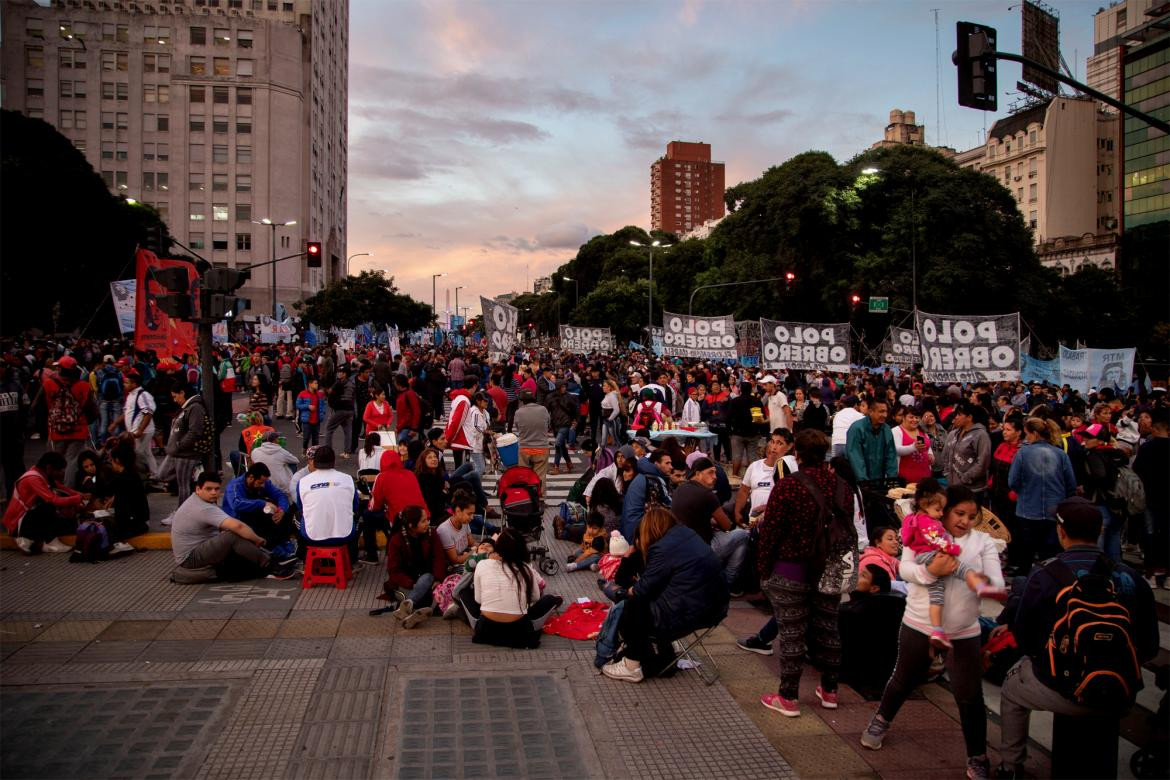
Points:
x=367 y=297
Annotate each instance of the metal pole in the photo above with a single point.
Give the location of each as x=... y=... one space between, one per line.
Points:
x=273 y=244
x=650 y=307
x=913 y=249
x=691 y=304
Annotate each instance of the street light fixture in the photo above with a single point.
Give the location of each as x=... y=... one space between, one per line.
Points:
x=359 y=254
x=434 y=306
x=788 y=277
x=457 y=289
x=913 y=234
x=272 y=244
x=576 y=290
x=650 y=307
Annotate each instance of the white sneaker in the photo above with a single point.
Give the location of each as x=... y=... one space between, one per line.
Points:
x=452 y=611
x=119 y=548
x=166 y=521
x=619 y=671
x=416 y=617
x=57 y=546
x=25 y=544
x=404 y=609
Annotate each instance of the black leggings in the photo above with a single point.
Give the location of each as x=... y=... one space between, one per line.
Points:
x=966 y=673
x=521 y=633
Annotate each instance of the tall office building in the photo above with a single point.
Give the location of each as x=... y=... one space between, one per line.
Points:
x=686 y=188
x=219 y=113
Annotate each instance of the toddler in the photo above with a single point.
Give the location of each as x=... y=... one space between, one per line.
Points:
x=485 y=548
x=592 y=545
x=923 y=532
x=618 y=547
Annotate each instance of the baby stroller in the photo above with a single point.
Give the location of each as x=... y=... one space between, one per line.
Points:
x=523 y=509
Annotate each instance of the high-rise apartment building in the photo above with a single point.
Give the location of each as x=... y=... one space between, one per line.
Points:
x=686 y=188
x=219 y=113
x=1131 y=62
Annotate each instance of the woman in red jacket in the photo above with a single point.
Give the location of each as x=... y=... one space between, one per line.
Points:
x=379 y=415
x=414 y=563
x=394 y=490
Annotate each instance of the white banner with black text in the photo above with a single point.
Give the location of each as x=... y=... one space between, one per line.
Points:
x=500 y=322
x=804 y=346
x=969 y=348
x=585 y=340
x=684 y=335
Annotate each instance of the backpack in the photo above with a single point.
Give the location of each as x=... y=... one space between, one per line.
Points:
x=656 y=492
x=835 y=540
x=92 y=543
x=577 y=492
x=1091 y=654
x=646 y=415
x=111 y=385
x=570 y=515
x=206 y=442
x=65 y=413
x=426 y=414
x=1129 y=492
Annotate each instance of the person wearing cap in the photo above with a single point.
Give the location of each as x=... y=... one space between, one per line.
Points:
x=776 y=403
x=280 y=462
x=138 y=419
x=695 y=505
x=71 y=408
x=1031 y=612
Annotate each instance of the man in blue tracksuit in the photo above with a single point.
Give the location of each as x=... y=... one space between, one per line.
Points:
x=252 y=499
x=650 y=483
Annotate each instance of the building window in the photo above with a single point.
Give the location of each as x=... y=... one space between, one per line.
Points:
x=108 y=32
x=243 y=126
x=195 y=182
x=72 y=120
x=164 y=123
x=121 y=180
x=107 y=150
x=108 y=178
x=1020 y=194
x=243 y=212
x=219 y=153
x=195 y=123
x=243 y=96
x=148 y=151
x=123 y=152
x=1032 y=167
x=219 y=126
x=219 y=182
x=243 y=154
x=196 y=94
x=123 y=121
x=219 y=95
x=156 y=63
x=34 y=57
x=243 y=183
x=35 y=87
x=198 y=66
x=1032 y=193
x=219 y=241
x=195 y=153
x=223 y=66
x=34 y=28
x=197 y=213
x=107 y=120
x=148 y=181
x=196 y=241
x=156 y=93
x=244 y=67
x=198 y=36
x=222 y=36
x=114 y=60
x=219 y=212
x=243 y=242
x=71 y=59
x=156 y=35
x=244 y=39
x=164 y=151
x=74 y=89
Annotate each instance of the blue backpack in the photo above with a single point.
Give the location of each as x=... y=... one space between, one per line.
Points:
x=110 y=387
x=92 y=544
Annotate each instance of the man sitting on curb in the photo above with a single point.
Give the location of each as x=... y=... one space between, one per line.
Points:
x=256 y=501
x=1029 y=684
x=203 y=536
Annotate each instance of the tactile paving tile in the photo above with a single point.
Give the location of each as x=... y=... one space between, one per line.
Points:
x=505 y=726
x=109 y=731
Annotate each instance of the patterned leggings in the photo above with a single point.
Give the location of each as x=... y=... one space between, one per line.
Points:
x=793 y=601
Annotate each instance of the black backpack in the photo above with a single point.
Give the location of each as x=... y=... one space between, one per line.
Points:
x=1091 y=654
x=836 y=533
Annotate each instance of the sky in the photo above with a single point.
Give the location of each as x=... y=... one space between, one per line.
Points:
x=489 y=140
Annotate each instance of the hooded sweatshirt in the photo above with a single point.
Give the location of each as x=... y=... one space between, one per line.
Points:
x=395 y=488
x=634 y=503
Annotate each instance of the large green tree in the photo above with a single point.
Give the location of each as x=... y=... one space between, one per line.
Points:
x=367 y=297
x=48 y=191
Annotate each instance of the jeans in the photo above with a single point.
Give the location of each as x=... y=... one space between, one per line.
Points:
x=109 y=412
x=467 y=473
x=183 y=470
x=310 y=434
x=610 y=428
x=477 y=460
x=769 y=631
x=1111 y=527
x=730 y=547
x=70 y=448
x=561 y=447
x=805 y=616
x=585 y=562
x=342 y=419
x=1021 y=694
x=420 y=595
x=218 y=548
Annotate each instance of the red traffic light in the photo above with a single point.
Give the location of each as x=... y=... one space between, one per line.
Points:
x=313 y=251
x=314 y=247
x=855 y=298
x=789 y=276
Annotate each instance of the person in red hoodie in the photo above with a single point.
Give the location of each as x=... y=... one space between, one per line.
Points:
x=42 y=507
x=460 y=407
x=71 y=408
x=407 y=409
x=394 y=490
x=378 y=414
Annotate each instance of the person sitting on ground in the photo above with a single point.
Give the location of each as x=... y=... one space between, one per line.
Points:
x=885 y=545
x=592 y=544
x=42 y=508
x=680 y=590
x=428 y=470
x=606 y=501
x=414 y=563
x=280 y=462
x=129 y=502
x=505 y=598
x=695 y=505
x=394 y=490
x=618 y=549
x=1032 y=613
x=649 y=487
x=868 y=624
x=454 y=533
x=204 y=536
x=255 y=501
x=328 y=501
x=762 y=475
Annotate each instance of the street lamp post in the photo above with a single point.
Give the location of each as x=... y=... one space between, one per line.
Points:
x=434 y=299
x=274 y=225
x=576 y=291
x=913 y=234
x=650 y=306
x=359 y=254
x=457 y=289
x=788 y=277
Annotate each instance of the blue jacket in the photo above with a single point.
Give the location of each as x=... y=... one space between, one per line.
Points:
x=684 y=584
x=237 y=503
x=1042 y=476
x=634 y=503
x=303 y=408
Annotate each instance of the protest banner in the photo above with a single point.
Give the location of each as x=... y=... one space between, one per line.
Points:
x=804 y=346
x=901 y=347
x=154 y=329
x=969 y=348
x=346 y=338
x=1086 y=369
x=747 y=342
x=124 y=294
x=585 y=340
x=684 y=335
x=1035 y=370
x=499 y=321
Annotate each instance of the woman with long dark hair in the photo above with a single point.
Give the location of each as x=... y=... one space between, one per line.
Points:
x=504 y=600
x=607 y=502
x=428 y=468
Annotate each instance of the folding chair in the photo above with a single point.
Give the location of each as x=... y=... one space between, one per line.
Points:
x=690 y=647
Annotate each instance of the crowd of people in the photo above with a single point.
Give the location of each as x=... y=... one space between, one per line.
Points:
x=695 y=483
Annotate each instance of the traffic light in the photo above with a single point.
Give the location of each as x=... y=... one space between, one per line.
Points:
x=176 y=301
x=975 y=59
x=855 y=299
x=219 y=286
x=313 y=251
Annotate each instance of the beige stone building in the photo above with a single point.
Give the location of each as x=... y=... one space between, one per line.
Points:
x=1058 y=161
x=902 y=131
x=219 y=113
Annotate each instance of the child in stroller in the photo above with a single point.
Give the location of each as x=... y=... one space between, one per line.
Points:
x=523 y=509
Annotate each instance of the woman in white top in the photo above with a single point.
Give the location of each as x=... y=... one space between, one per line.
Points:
x=506 y=602
x=960 y=621
x=611 y=412
x=475 y=422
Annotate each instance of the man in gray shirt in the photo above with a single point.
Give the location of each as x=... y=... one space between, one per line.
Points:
x=531 y=426
x=203 y=535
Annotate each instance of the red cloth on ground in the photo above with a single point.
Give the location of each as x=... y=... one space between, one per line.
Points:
x=580 y=621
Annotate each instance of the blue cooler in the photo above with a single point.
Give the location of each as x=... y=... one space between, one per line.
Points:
x=509 y=448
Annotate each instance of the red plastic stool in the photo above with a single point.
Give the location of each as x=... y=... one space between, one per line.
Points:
x=327 y=566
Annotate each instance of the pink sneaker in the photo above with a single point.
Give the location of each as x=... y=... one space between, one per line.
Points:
x=828 y=700
x=993 y=592
x=938 y=640
x=786 y=707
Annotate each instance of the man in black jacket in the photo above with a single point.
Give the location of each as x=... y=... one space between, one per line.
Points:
x=1032 y=614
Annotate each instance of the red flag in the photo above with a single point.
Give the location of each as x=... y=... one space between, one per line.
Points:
x=153 y=328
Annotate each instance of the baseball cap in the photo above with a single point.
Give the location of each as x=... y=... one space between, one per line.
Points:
x=768 y=378
x=68 y=361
